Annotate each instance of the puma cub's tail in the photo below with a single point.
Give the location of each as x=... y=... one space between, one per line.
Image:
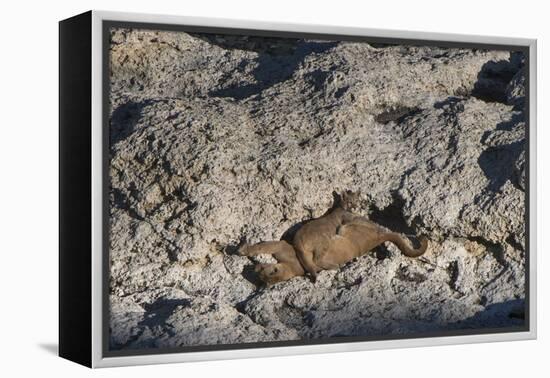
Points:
x=403 y=244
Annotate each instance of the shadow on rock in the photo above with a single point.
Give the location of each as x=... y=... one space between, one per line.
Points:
x=497 y=163
x=392 y=217
x=451 y=102
x=494 y=77
x=513 y=122
x=125 y=119
x=274 y=66
x=509 y=314
x=258 y=44
x=505 y=314
x=160 y=310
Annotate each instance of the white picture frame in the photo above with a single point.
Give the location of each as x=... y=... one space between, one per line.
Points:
x=96 y=356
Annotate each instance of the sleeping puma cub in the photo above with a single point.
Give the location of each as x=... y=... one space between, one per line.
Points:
x=326 y=243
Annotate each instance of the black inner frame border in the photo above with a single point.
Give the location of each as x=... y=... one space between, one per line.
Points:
x=107 y=25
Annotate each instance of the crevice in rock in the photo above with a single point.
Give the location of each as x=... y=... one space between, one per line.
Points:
x=396 y=114
x=392 y=217
x=404 y=274
x=172 y=254
x=381 y=253
x=453 y=272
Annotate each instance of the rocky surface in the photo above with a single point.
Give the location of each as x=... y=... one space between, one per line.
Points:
x=220 y=139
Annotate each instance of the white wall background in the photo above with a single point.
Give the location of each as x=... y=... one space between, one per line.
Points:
x=28 y=184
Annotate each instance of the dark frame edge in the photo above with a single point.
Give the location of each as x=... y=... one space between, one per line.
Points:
x=75 y=246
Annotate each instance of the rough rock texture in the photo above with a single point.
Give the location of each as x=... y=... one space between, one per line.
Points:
x=220 y=139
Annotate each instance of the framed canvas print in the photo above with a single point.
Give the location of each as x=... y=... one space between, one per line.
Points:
x=232 y=189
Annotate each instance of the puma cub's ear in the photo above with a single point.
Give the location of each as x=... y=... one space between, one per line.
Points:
x=336 y=199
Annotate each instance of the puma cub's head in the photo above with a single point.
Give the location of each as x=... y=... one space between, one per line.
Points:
x=348 y=200
x=273 y=273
